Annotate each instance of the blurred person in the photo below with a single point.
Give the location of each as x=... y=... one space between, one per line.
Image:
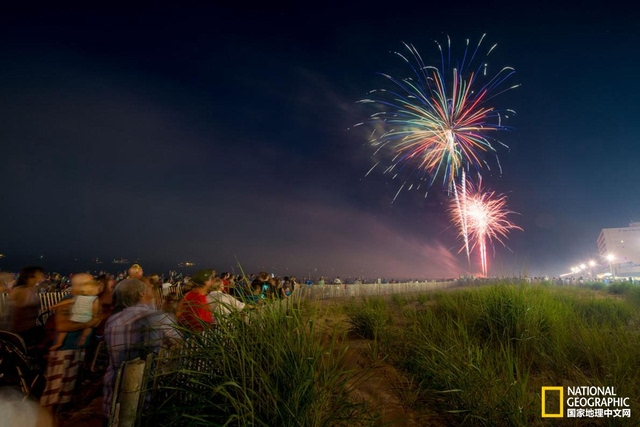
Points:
x=193 y=310
x=221 y=303
x=85 y=307
x=232 y=284
x=154 y=280
x=225 y=282
x=166 y=287
x=287 y=288
x=135 y=272
x=108 y=283
x=258 y=288
x=241 y=287
x=6 y=281
x=255 y=295
x=63 y=363
x=274 y=289
x=136 y=331
x=169 y=306
x=23 y=306
x=18 y=411
x=56 y=282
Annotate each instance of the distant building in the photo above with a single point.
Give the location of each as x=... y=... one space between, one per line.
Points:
x=624 y=245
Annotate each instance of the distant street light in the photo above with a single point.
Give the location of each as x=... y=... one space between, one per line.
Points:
x=610 y=258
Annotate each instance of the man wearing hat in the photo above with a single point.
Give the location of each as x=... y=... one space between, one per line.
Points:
x=194 y=312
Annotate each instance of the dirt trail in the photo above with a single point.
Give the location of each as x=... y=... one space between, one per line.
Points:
x=380 y=384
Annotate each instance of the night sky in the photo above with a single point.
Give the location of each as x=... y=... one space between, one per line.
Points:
x=200 y=133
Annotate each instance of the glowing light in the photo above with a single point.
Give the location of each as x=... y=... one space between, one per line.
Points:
x=485 y=216
x=438 y=121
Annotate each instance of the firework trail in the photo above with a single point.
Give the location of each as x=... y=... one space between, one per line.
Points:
x=439 y=121
x=485 y=216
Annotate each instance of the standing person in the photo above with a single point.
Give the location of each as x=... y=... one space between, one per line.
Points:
x=193 y=310
x=63 y=364
x=24 y=306
x=85 y=307
x=134 y=332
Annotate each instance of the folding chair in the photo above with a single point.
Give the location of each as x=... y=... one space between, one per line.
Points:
x=16 y=366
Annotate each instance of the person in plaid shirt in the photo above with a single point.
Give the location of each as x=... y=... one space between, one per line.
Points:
x=134 y=332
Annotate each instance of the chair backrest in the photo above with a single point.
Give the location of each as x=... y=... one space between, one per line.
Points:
x=15 y=340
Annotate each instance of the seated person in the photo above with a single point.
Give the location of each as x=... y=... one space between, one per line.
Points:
x=221 y=303
x=258 y=288
x=193 y=310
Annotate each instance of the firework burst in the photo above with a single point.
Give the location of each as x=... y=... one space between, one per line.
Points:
x=485 y=218
x=439 y=121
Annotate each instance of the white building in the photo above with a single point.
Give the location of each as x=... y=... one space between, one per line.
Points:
x=623 y=246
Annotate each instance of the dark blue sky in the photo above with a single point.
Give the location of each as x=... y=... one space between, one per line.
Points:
x=199 y=133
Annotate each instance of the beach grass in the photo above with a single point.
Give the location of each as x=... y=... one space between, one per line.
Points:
x=478 y=354
x=272 y=368
x=484 y=353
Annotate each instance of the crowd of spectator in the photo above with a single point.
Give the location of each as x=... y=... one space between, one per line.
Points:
x=132 y=313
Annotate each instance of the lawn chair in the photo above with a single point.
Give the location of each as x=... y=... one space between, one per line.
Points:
x=17 y=368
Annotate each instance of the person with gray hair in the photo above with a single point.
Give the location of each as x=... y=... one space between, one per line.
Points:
x=135 y=331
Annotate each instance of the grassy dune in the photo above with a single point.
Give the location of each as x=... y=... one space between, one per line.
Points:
x=485 y=353
x=479 y=355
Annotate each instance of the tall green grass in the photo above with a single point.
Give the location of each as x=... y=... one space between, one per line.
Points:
x=369 y=318
x=483 y=354
x=275 y=370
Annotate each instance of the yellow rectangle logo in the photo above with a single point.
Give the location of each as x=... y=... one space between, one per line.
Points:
x=544 y=402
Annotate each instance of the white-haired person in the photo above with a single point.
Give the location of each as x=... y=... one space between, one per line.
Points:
x=222 y=304
x=135 y=331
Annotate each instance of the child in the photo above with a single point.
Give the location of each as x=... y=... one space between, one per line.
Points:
x=85 y=307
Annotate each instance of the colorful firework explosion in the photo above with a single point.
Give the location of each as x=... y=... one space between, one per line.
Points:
x=440 y=122
x=436 y=125
x=485 y=218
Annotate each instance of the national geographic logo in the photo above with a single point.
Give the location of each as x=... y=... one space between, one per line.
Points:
x=545 y=402
x=584 y=402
